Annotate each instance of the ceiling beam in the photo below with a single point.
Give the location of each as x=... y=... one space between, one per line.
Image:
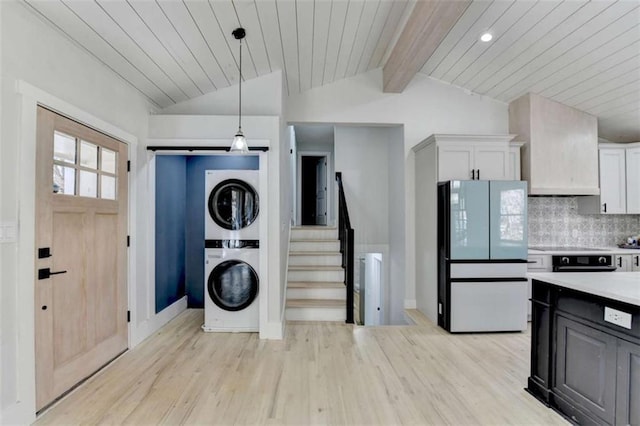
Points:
x=428 y=24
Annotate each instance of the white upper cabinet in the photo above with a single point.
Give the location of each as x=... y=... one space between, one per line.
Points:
x=619 y=181
x=613 y=195
x=633 y=179
x=486 y=157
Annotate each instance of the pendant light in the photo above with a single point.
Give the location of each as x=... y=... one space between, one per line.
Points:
x=239 y=144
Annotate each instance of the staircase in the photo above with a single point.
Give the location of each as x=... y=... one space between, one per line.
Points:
x=315 y=288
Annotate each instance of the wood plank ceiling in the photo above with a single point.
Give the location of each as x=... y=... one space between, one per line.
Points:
x=585 y=54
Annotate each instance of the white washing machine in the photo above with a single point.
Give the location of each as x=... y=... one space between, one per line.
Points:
x=233 y=205
x=232 y=284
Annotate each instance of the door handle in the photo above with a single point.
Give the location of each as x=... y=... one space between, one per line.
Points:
x=620 y=261
x=45 y=273
x=478 y=174
x=473 y=174
x=605 y=207
x=637 y=260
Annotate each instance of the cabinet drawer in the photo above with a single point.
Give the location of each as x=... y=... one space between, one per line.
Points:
x=537 y=262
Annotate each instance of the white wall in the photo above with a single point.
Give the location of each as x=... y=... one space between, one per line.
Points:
x=368 y=158
x=425 y=107
x=35 y=53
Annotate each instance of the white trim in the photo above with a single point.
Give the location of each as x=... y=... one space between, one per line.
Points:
x=25 y=408
x=264 y=248
x=73 y=112
x=204 y=143
x=410 y=304
x=157 y=321
x=299 y=155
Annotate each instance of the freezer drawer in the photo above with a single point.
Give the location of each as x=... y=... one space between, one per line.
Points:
x=488 y=270
x=489 y=305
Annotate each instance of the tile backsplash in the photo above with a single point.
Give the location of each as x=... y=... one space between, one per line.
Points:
x=554 y=221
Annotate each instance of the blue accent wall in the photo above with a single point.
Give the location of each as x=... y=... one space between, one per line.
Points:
x=195 y=217
x=171 y=208
x=180 y=216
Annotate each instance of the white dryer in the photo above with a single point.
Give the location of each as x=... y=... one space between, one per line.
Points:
x=233 y=205
x=232 y=284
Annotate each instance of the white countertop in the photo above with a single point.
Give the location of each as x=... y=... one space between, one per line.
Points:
x=620 y=286
x=601 y=250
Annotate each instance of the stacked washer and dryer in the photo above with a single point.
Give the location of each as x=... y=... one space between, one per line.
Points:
x=232 y=242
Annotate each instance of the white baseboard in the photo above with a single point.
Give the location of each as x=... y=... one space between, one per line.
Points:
x=155 y=323
x=410 y=304
x=273 y=331
x=17 y=414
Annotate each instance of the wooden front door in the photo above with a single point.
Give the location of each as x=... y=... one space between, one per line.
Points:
x=81 y=266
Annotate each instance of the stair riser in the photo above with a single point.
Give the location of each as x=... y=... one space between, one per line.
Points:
x=333 y=260
x=328 y=246
x=316 y=276
x=314 y=234
x=316 y=293
x=316 y=314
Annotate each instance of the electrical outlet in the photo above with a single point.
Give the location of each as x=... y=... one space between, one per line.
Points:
x=617 y=317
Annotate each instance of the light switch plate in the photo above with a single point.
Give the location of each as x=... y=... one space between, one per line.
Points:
x=8 y=232
x=617 y=317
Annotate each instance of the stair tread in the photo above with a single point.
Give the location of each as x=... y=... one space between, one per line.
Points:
x=315 y=240
x=315 y=303
x=315 y=268
x=314 y=227
x=315 y=253
x=315 y=284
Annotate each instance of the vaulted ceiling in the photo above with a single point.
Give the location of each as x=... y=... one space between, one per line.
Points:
x=585 y=54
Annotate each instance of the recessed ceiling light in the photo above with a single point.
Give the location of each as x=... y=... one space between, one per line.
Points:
x=486 y=37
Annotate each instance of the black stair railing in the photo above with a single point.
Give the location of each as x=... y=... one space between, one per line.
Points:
x=345 y=233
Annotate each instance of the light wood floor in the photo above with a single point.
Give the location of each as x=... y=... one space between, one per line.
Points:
x=321 y=373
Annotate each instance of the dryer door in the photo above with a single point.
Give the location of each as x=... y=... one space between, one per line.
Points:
x=233 y=204
x=233 y=285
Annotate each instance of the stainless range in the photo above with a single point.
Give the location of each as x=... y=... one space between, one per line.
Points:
x=583 y=263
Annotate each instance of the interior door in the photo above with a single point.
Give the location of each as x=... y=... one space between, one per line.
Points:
x=81 y=228
x=321 y=191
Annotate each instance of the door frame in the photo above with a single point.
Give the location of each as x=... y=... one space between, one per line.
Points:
x=30 y=98
x=327 y=156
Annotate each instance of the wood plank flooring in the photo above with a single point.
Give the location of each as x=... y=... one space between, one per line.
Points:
x=321 y=373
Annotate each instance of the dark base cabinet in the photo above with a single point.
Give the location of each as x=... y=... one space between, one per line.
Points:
x=583 y=367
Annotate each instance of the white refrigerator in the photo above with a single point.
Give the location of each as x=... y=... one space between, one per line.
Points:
x=482 y=256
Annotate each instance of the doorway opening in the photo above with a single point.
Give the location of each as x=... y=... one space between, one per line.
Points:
x=313 y=190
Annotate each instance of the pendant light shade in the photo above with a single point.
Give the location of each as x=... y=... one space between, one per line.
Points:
x=239 y=144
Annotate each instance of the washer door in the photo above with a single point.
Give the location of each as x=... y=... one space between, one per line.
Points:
x=233 y=285
x=233 y=204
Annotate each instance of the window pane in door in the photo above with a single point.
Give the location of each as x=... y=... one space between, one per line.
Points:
x=64 y=148
x=88 y=184
x=64 y=180
x=88 y=155
x=108 y=187
x=108 y=161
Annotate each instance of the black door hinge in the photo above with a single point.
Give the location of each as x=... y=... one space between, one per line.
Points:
x=128 y=316
x=128 y=240
x=128 y=165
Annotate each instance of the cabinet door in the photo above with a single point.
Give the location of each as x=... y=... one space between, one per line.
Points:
x=586 y=368
x=628 y=384
x=633 y=180
x=613 y=181
x=455 y=162
x=469 y=219
x=491 y=162
x=623 y=262
x=508 y=218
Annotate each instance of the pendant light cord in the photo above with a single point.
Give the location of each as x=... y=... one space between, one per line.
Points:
x=240 y=93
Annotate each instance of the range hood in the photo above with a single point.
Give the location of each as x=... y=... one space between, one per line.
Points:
x=560 y=154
